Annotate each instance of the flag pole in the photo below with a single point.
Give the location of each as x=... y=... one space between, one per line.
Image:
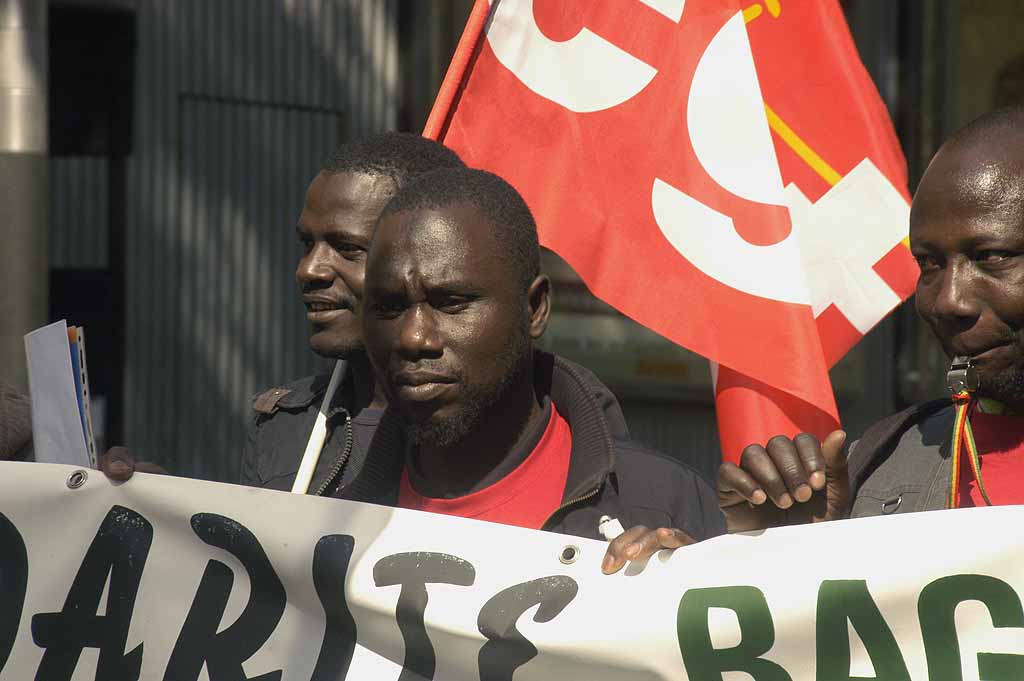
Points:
x=439 y=113
x=318 y=435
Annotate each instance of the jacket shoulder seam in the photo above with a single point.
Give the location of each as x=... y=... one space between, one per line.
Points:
x=297 y=394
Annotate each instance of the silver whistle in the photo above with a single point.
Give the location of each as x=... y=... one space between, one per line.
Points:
x=962 y=376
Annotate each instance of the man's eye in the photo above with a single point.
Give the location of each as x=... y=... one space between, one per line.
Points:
x=453 y=305
x=926 y=263
x=348 y=249
x=388 y=308
x=305 y=243
x=993 y=257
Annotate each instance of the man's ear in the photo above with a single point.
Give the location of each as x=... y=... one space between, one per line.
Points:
x=539 y=298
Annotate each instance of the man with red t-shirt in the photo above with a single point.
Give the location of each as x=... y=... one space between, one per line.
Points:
x=486 y=426
x=967 y=233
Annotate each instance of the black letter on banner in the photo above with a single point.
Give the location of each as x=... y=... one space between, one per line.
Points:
x=703 y=661
x=414 y=571
x=506 y=649
x=330 y=567
x=199 y=641
x=13 y=582
x=840 y=600
x=936 y=607
x=119 y=550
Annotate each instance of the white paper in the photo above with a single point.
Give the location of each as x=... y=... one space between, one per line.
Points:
x=56 y=426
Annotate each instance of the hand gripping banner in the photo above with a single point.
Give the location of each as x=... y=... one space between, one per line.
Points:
x=170 y=579
x=724 y=173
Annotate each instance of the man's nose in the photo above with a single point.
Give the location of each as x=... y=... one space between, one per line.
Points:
x=955 y=298
x=419 y=336
x=314 y=267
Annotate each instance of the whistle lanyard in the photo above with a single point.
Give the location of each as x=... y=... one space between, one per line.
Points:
x=963 y=438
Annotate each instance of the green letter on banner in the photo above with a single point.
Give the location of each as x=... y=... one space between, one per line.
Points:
x=840 y=600
x=703 y=661
x=936 y=608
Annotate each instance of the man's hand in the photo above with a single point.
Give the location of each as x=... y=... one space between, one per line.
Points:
x=119 y=464
x=788 y=482
x=640 y=543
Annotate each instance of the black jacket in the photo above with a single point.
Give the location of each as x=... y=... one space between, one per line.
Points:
x=15 y=425
x=609 y=474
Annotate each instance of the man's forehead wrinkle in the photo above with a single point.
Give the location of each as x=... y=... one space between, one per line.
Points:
x=449 y=249
x=437 y=235
x=965 y=228
x=978 y=183
x=342 y=205
x=431 y=261
x=993 y=162
x=345 y=225
x=350 y=192
x=421 y=278
x=994 y=185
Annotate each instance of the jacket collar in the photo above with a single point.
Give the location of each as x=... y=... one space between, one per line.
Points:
x=305 y=392
x=381 y=471
x=592 y=456
x=593 y=452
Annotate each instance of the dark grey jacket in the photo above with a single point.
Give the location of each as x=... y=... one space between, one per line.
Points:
x=902 y=463
x=609 y=473
x=15 y=425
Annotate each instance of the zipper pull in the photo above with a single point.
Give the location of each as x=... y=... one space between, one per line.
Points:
x=609 y=527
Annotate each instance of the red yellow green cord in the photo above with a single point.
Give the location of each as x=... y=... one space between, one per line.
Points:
x=963 y=437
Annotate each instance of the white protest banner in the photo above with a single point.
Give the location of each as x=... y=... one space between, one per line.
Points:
x=169 y=579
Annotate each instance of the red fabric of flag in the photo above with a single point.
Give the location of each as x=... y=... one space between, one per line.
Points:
x=727 y=178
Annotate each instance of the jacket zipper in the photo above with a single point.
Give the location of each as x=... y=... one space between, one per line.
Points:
x=340 y=463
x=571 y=502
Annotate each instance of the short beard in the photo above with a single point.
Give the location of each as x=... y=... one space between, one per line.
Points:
x=1006 y=387
x=443 y=432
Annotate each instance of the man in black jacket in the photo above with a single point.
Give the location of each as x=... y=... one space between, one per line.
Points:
x=341 y=208
x=334 y=229
x=496 y=430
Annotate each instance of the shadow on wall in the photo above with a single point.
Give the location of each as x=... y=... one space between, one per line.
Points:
x=237 y=104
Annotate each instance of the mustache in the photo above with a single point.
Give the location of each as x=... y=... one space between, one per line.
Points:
x=957 y=347
x=400 y=373
x=319 y=295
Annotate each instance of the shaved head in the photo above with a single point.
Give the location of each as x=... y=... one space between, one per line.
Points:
x=981 y=165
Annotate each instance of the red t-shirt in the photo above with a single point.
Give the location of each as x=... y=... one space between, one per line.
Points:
x=1000 y=441
x=525 y=497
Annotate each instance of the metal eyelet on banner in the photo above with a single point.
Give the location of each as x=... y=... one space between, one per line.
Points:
x=77 y=479
x=890 y=506
x=569 y=555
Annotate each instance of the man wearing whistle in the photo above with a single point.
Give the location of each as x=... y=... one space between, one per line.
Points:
x=967 y=234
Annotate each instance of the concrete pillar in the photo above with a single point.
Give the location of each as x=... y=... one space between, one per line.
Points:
x=24 y=266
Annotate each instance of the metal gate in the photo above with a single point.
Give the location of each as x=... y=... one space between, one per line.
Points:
x=238 y=325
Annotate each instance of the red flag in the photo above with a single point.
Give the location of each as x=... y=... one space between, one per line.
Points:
x=725 y=175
